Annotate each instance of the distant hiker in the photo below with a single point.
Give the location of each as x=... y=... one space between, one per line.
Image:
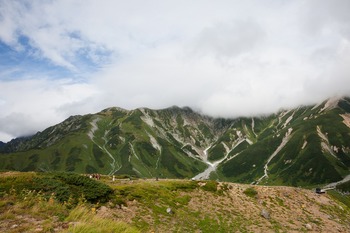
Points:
x=96 y=176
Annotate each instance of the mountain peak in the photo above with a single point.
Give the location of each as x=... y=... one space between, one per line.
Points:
x=331 y=103
x=113 y=109
x=295 y=147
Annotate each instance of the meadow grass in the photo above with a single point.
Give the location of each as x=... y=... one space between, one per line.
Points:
x=86 y=221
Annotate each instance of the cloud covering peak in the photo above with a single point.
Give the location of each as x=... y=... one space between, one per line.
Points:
x=226 y=58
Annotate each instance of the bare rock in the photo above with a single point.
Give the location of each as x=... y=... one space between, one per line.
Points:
x=308 y=226
x=72 y=224
x=103 y=208
x=169 y=211
x=265 y=214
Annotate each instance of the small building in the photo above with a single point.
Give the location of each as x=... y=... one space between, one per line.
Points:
x=319 y=191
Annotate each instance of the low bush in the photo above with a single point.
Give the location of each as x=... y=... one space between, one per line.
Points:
x=184 y=185
x=92 y=190
x=250 y=192
x=210 y=186
x=64 y=186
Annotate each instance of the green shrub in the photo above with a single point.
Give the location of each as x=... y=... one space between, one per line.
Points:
x=48 y=186
x=250 y=192
x=183 y=185
x=210 y=186
x=64 y=186
x=78 y=185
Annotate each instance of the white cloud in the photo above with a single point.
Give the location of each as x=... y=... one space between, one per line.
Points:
x=31 y=105
x=227 y=58
x=228 y=40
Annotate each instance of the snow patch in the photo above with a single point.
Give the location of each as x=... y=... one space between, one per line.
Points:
x=122 y=139
x=289 y=161
x=279 y=148
x=282 y=115
x=334 y=184
x=237 y=144
x=321 y=135
x=335 y=149
x=205 y=175
x=253 y=126
x=114 y=166
x=304 y=145
x=186 y=122
x=137 y=157
x=137 y=171
x=147 y=118
x=226 y=147
x=213 y=166
x=94 y=128
x=133 y=150
x=288 y=120
x=154 y=142
x=239 y=133
x=158 y=160
x=249 y=141
x=325 y=144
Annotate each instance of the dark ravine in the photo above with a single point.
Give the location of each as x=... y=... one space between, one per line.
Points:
x=305 y=146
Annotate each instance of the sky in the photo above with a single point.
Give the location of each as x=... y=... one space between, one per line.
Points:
x=225 y=58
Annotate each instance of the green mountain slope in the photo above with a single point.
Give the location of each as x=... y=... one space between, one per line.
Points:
x=142 y=142
x=303 y=146
x=308 y=145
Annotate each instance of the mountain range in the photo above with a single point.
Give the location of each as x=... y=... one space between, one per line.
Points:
x=307 y=145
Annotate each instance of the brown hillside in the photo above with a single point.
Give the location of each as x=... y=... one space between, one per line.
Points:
x=181 y=206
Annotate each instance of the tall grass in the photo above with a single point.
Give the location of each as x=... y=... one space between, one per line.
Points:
x=29 y=210
x=49 y=213
x=87 y=222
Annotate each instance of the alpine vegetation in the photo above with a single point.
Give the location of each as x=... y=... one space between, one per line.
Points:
x=303 y=146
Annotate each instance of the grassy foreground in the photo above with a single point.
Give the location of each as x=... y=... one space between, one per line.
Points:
x=33 y=202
